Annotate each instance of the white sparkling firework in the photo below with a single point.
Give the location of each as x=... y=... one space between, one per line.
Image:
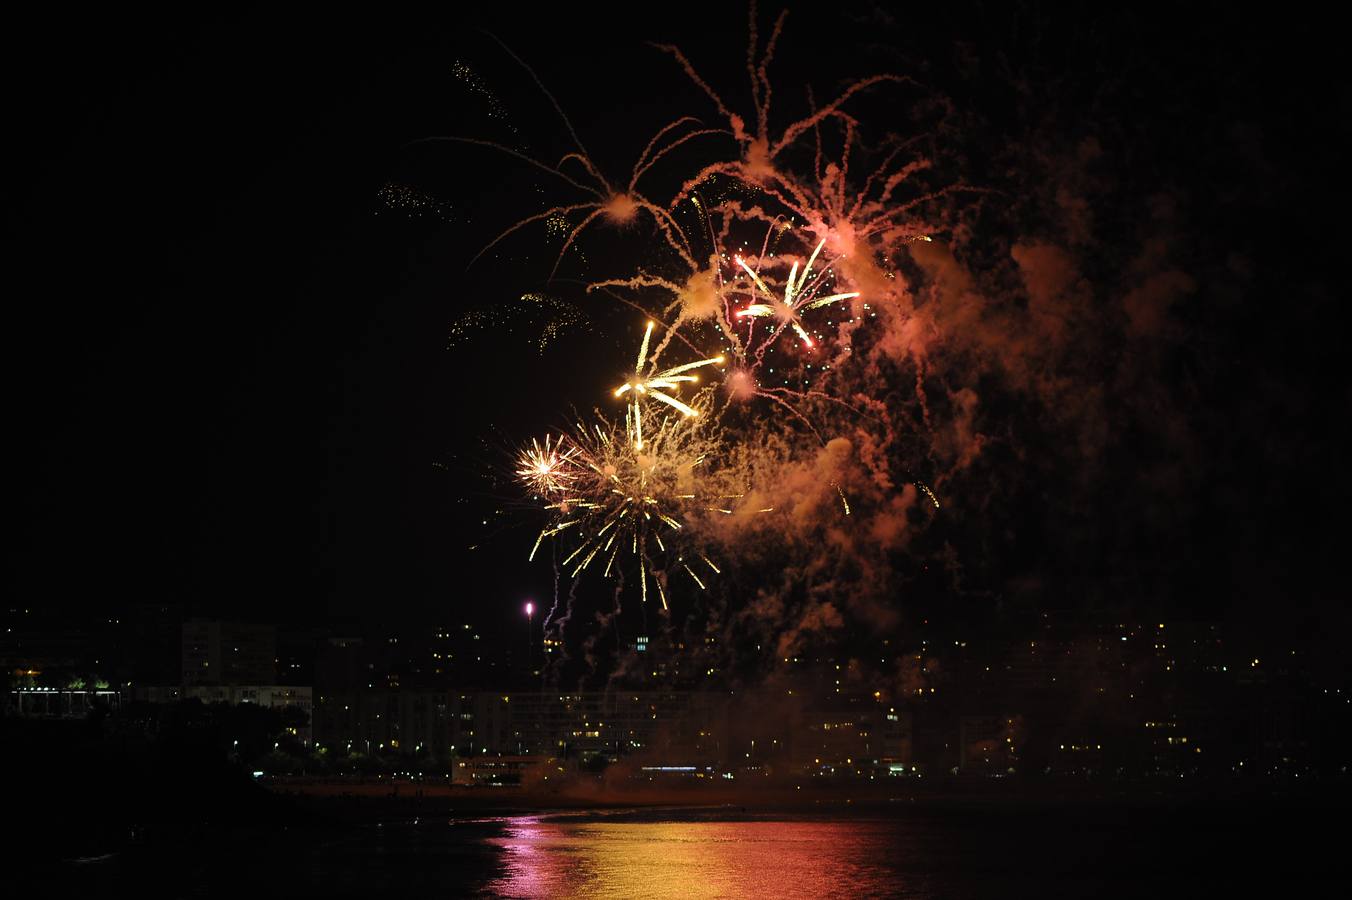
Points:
x=548 y=467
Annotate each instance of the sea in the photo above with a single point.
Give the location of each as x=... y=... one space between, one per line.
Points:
x=964 y=851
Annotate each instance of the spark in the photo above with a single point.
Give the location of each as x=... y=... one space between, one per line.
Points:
x=547 y=467
x=799 y=296
x=625 y=499
x=843 y=502
x=550 y=315
x=657 y=385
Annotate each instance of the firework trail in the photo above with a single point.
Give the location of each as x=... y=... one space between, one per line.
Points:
x=615 y=203
x=656 y=384
x=799 y=296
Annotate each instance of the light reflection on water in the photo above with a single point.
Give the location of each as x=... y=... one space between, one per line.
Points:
x=953 y=851
x=779 y=858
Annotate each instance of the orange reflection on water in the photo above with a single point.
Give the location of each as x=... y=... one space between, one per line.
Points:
x=559 y=858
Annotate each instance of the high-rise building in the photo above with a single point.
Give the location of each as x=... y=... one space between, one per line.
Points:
x=216 y=652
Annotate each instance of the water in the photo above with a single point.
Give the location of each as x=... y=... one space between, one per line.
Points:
x=950 y=854
x=701 y=858
x=966 y=852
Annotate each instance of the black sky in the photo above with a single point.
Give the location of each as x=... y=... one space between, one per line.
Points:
x=227 y=370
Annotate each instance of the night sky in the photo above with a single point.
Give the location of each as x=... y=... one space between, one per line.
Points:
x=233 y=281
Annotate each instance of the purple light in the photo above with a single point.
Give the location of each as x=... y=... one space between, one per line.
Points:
x=530 y=608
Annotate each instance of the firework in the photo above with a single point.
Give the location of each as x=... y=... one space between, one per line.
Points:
x=662 y=490
x=606 y=201
x=629 y=503
x=544 y=317
x=547 y=468
x=656 y=384
x=799 y=295
x=758 y=165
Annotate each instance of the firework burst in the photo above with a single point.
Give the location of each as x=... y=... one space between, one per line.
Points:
x=547 y=467
x=799 y=296
x=657 y=384
x=603 y=200
x=628 y=505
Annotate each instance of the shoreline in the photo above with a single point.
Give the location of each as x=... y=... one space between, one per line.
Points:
x=357 y=799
